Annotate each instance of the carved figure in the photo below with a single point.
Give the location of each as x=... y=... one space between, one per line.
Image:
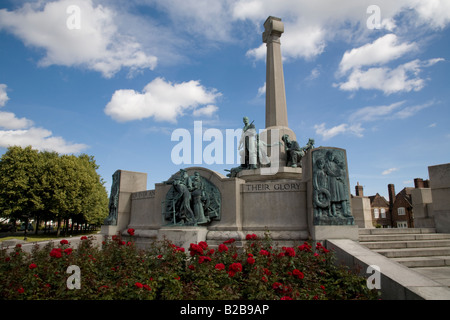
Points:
x=248 y=145
x=191 y=200
x=113 y=200
x=294 y=152
x=197 y=196
x=337 y=187
x=330 y=188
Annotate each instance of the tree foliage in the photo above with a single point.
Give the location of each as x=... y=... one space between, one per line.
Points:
x=48 y=186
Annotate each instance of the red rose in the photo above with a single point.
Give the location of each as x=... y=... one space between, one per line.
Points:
x=64 y=241
x=264 y=252
x=204 y=259
x=83 y=238
x=236 y=267
x=68 y=251
x=220 y=266
x=230 y=241
x=56 y=253
x=21 y=290
x=139 y=285
x=32 y=266
x=298 y=273
x=195 y=249
x=251 y=237
x=286 y=298
x=289 y=251
x=131 y=231
x=203 y=244
x=223 y=248
x=277 y=285
x=250 y=260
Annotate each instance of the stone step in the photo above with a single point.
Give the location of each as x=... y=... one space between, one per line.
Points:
x=406 y=244
x=376 y=231
x=414 y=252
x=403 y=237
x=420 y=262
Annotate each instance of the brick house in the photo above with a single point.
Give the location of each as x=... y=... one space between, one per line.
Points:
x=381 y=215
x=401 y=208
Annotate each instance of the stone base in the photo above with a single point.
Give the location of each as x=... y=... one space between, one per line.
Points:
x=338 y=221
x=321 y=233
x=183 y=236
x=109 y=230
x=271 y=173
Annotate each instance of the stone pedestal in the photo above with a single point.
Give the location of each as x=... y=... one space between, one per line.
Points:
x=440 y=190
x=362 y=212
x=321 y=233
x=422 y=203
x=128 y=182
x=183 y=236
x=328 y=194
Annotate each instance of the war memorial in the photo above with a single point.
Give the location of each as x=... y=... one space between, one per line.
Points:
x=295 y=193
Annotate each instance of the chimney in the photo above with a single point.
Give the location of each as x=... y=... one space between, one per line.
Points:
x=359 y=190
x=419 y=183
x=391 y=193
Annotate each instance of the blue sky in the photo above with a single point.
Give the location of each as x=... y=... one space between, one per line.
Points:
x=114 y=79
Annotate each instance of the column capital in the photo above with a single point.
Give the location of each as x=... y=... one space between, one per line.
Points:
x=273 y=28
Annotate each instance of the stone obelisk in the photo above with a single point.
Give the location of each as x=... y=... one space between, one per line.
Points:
x=276 y=109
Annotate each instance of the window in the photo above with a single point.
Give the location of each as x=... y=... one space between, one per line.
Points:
x=401 y=211
x=402 y=224
x=376 y=213
x=383 y=213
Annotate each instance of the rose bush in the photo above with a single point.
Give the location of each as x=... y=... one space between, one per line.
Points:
x=119 y=270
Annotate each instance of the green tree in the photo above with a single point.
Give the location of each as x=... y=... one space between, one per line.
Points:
x=49 y=186
x=20 y=183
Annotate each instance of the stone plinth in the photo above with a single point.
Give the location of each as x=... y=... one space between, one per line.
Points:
x=440 y=191
x=128 y=183
x=184 y=236
x=361 y=211
x=328 y=194
x=422 y=202
x=272 y=173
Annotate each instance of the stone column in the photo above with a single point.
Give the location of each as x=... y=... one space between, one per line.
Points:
x=276 y=110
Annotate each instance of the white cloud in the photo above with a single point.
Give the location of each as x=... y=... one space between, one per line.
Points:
x=8 y=120
x=326 y=134
x=381 y=51
x=207 y=111
x=357 y=119
x=375 y=113
x=162 y=100
x=38 y=138
x=3 y=95
x=388 y=171
x=96 y=45
x=435 y=13
x=404 y=78
x=261 y=90
x=20 y=132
